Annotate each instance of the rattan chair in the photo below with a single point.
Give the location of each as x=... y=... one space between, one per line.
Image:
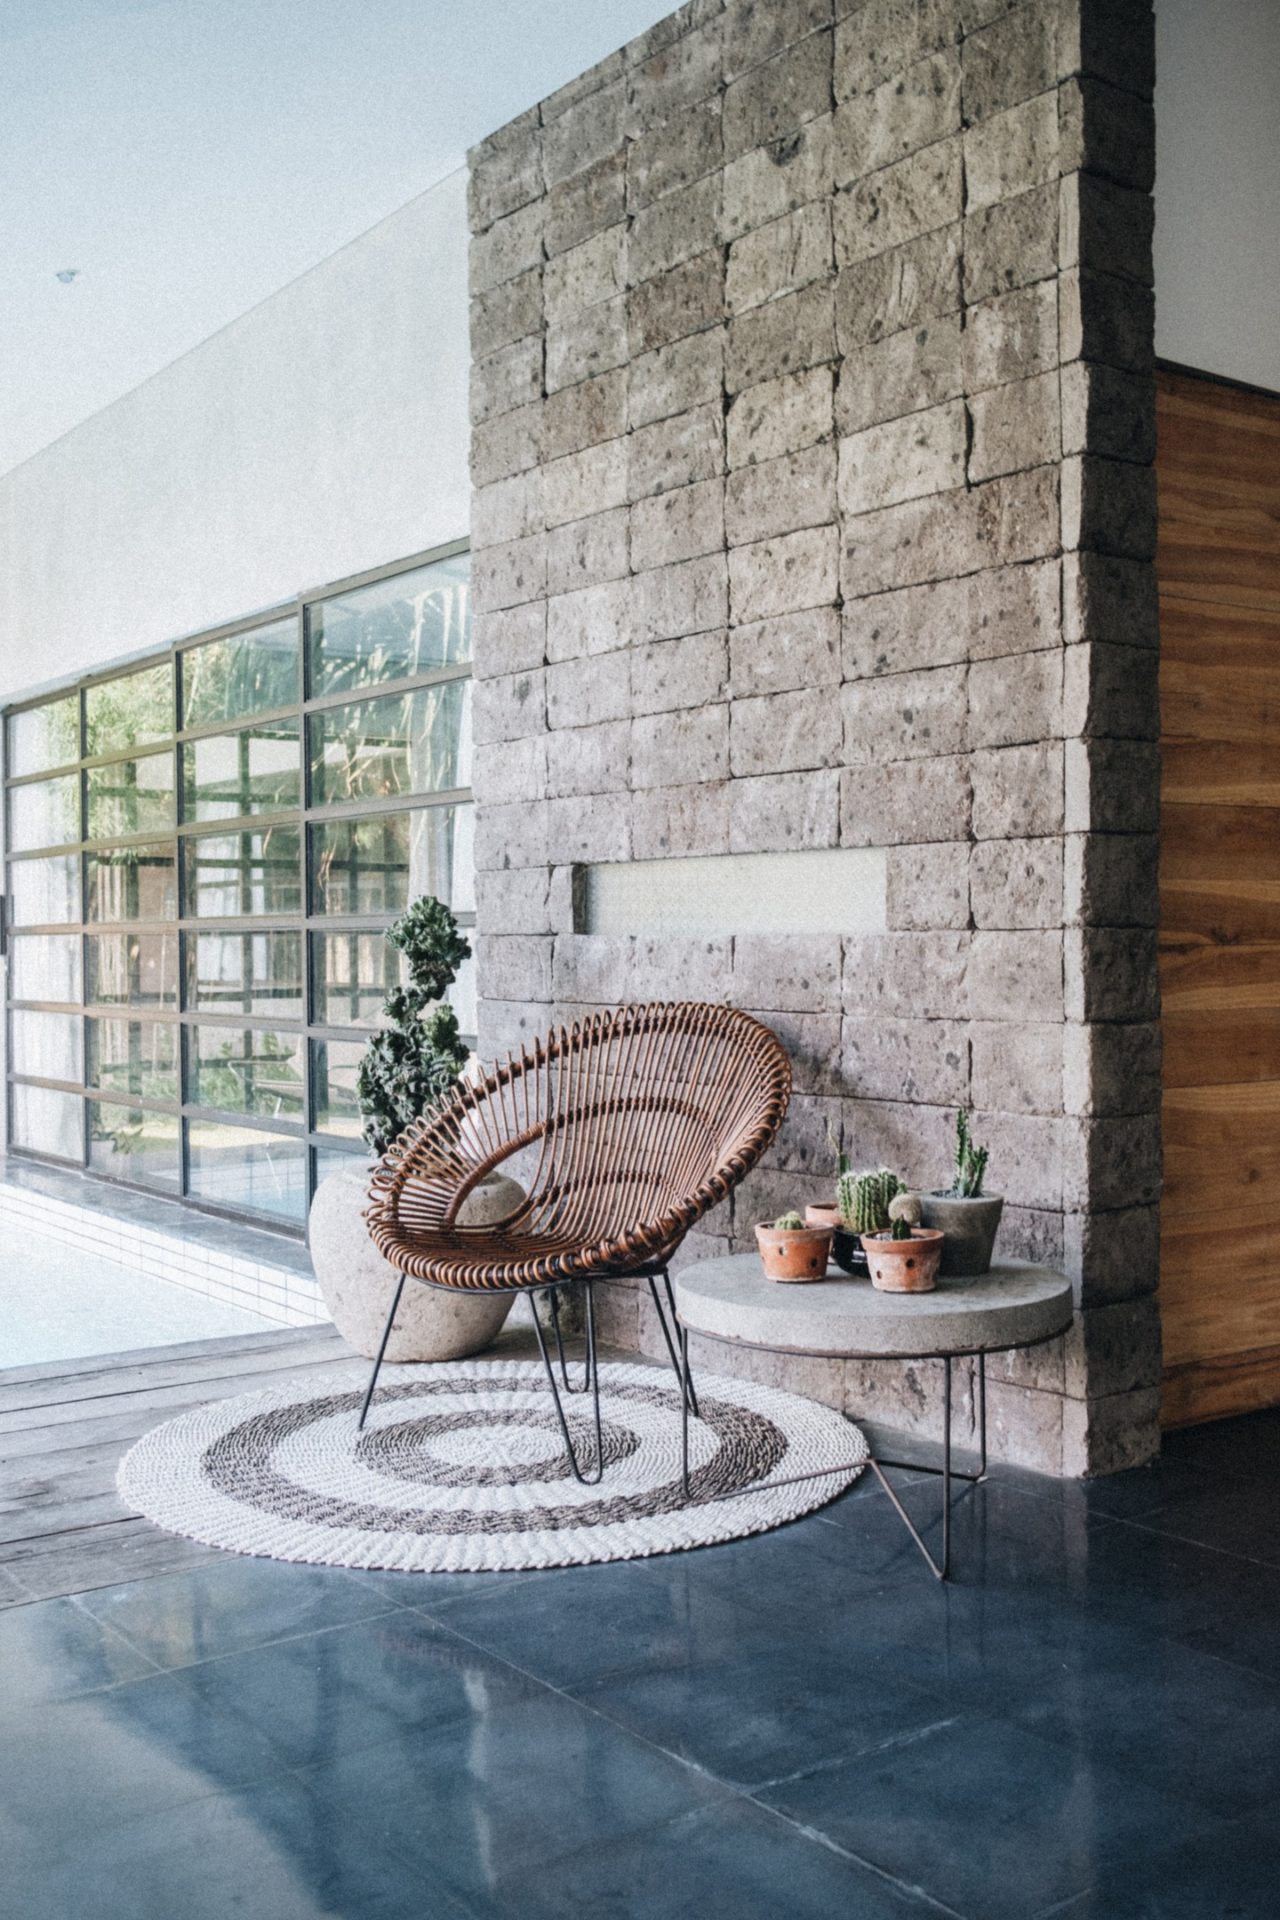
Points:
x=638 y=1122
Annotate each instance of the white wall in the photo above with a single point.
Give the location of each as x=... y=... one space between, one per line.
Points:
x=322 y=433
x=1217 y=245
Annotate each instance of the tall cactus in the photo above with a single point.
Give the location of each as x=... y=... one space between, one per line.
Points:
x=863 y=1198
x=971 y=1161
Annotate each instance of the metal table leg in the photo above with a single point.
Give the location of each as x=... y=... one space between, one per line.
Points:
x=947 y=1473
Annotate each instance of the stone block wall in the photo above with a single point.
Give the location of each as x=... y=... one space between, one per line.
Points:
x=812 y=437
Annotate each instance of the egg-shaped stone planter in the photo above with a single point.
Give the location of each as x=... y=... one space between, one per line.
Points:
x=357 y=1284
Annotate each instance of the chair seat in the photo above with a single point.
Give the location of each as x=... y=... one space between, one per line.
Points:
x=485 y=1260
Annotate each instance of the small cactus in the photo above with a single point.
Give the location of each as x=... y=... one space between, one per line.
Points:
x=788 y=1223
x=864 y=1199
x=971 y=1161
x=907 y=1207
x=901 y=1229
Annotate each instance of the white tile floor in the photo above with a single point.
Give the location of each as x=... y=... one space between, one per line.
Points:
x=59 y=1303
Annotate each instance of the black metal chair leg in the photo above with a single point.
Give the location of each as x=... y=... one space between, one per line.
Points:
x=682 y=1373
x=554 y=1302
x=686 y=1396
x=593 y=1376
x=386 y=1335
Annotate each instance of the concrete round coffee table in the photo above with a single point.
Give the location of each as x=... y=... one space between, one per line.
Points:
x=1015 y=1305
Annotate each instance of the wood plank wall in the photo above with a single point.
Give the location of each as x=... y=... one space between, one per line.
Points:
x=1218 y=469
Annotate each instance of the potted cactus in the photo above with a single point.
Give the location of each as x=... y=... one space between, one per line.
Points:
x=968 y=1217
x=864 y=1203
x=904 y=1258
x=793 y=1249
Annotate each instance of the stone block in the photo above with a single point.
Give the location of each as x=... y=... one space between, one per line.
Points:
x=584 y=415
x=1112 y=879
x=784 y=812
x=1110 y=1162
x=1111 y=1068
x=678 y=525
x=903 y=459
x=1016 y=1066
x=674 y=153
x=513 y=967
x=589 y=759
x=785 y=575
x=1011 y=152
x=901 y=374
x=504 y=172
x=1109 y=506
x=780 y=416
x=511 y=640
x=676 y=304
x=509 y=312
x=1009 y=61
x=686 y=67
x=1105 y=228
x=1111 y=1434
x=506 y=1027
x=519 y=772
x=1107 y=320
x=1112 y=786
x=906 y=716
x=898 y=117
x=507 y=510
x=511 y=246
x=1111 y=973
x=779 y=496
x=674 y=675
x=1018 y=791
x=1107 y=131
x=912 y=1139
x=1015 y=426
x=1016 y=700
x=506 y=575
x=676 y=378
x=586 y=553
x=1040 y=1367
x=1017 y=883
x=507 y=445
x=586 y=203
x=594 y=270
x=509 y=708
x=925 y=1062
x=582 y=692
x=689 y=596
x=915 y=196
x=1034 y=1233
x=896 y=1399
x=1109 y=599
x=595 y=79
x=812 y=1041
x=907 y=976
x=1109 y=42
x=783 y=733
x=585 y=132
x=754 y=30
x=676 y=228
x=1026 y=1157
x=670 y=822
x=783 y=336
x=886 y=37
x=586 y=344
x=512 y=835
x=911 y=801
x=1014 y=610
x=1112 y=690
x=1000 y=523
x=598 y=828
x=773 y=180
x=1011 y=337
x=526 y=899
x=1108 y=412
x=1114 y=1255
x=592 y=620
x=803 y=1145
x=511 y=377
x=786 y=973
x=791 y=252
x=889 y=293
x=600 y=971
x=792 y=650
x=675 y=749
x=676 y=453
x=1024 y=1427
x=927 y=887
x=1016 y=975
x=583 y=483
x=1011 y=244
x=774 y=99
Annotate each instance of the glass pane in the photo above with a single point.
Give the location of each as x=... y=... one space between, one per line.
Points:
x=230 y=774
x=131 y=796
x=334 y=1065
x=246 y=1072
x=133 y=969
x=336 y=1159
x=462 y=996
x=254 y=872
x=130 y=1143
x=45 y=966
x=392 y=630
x=47 y=1045
x=45 y=814
x=378 y=865
x=48 y=1122
x=374 y=749
x=47 y=736
x=245 y=673
x=138 y=1057
x=246 y=973
x=237 y=1167
x=352 y=974
x=129 y=711
x=44 y=891
x=133 y=883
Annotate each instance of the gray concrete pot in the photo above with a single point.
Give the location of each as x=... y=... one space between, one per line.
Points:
x=970 y=1227
x=357 y=1283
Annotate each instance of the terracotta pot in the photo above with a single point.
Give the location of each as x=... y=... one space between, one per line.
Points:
x=904 y=1266
x=846 y=1247
x=970 y=1227
x=798 y=1253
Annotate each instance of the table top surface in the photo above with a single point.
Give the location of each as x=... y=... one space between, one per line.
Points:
x=1014 y=1305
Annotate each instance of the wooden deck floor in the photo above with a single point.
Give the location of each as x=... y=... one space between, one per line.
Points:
x=64 y=1428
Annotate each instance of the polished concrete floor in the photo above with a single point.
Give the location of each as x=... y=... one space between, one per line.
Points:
x=799 y=1725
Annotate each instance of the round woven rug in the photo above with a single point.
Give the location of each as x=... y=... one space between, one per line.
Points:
x=461 y=1468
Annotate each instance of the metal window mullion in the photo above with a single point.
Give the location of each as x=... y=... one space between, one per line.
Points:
x=237 y=1118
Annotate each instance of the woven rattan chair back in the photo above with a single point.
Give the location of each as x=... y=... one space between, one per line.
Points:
x=637 y=1122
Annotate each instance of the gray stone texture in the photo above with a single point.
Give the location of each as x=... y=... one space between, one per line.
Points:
x=812 y=441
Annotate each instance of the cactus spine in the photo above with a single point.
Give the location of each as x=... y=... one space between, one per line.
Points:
x=971 y=1161
x=864 y=1198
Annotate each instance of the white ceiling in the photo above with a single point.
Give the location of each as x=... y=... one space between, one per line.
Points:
x=190 y=157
